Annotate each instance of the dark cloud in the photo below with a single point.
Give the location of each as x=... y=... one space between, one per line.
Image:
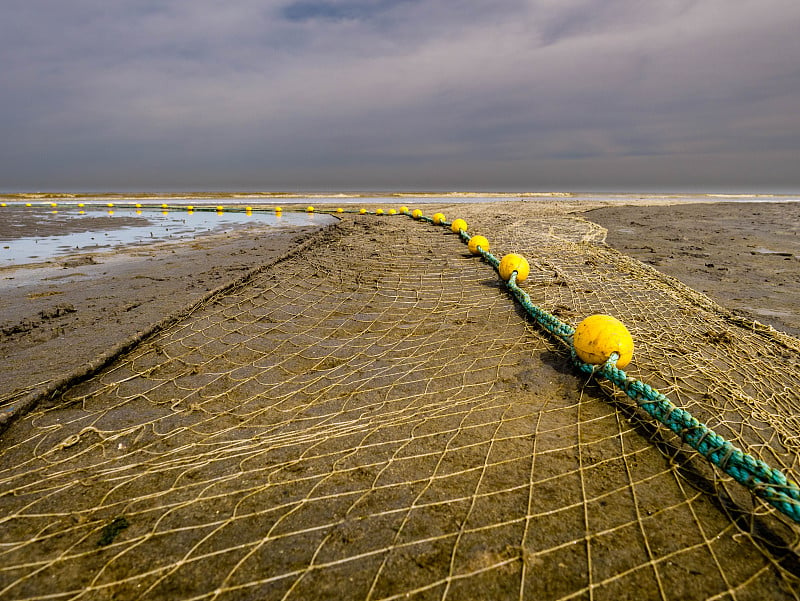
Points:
x=338 y=11
x=572 y=94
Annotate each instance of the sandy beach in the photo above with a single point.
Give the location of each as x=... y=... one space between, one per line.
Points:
x=362 y=412
x=64 y=316
x=746 y=256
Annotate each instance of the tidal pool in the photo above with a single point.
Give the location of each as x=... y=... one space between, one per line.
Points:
x=33 y=234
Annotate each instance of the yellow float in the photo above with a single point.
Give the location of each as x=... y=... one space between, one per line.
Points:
x=597 y=336
x=478 y=241
x=513 y=262
x=458 y=225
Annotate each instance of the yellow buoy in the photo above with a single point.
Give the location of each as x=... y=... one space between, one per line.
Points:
x=392 y=212
x=597 y=336
x=513 y=262
x=80 y=205
x=164 y=206
x=340 y=210
x=379 y=212
x=362 y=212
x=220 y=208
x=438 y=218
x=138 y=205
x=27 y=204
x=111 y=204
x=477 y=241
x=53 y=204
x=278 y=210
x=458 y=225
x=416 y=213
x=248 y=209
x=2 y=204
x=190 y=208
x=309 y=209
x=404 y=209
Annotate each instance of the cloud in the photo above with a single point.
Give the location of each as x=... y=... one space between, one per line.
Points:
x=200 y=91
x=309 y=10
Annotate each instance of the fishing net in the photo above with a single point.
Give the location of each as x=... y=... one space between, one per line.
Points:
x=374 y=418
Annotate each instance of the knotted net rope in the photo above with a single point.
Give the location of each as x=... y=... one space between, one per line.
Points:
x=763 y=480
x=373 y=419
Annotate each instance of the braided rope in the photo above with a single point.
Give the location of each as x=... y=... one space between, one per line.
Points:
x=764 y=481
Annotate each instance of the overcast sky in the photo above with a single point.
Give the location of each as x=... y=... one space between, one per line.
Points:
x=407 y=94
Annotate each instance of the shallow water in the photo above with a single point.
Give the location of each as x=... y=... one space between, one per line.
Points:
x=39 y=233
x=49 y=228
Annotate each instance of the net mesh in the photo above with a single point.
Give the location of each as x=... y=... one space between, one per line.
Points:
x=373 y=418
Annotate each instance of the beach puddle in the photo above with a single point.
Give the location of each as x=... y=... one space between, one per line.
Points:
x=37 y=234
x=769 y=312
x=766 y=251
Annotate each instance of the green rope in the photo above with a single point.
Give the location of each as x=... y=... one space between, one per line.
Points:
x=766 y=482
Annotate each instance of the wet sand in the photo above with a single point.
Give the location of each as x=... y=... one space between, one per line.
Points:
x=59 y=316
x=65 y=316
x=745 y=256
x=383 y=403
